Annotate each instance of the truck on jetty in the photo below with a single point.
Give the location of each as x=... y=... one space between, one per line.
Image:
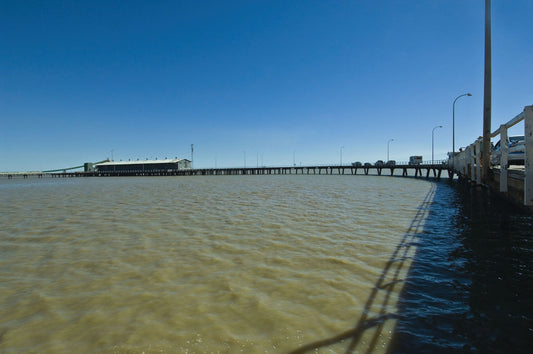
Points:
x=415 y=160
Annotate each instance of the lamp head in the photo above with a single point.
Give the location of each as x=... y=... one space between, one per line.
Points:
x=469 y=94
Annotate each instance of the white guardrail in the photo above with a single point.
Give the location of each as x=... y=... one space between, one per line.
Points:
x=467 y=162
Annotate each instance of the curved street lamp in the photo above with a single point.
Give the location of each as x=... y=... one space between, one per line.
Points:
x=453 y=123
x=388 y=145
x=433 y=144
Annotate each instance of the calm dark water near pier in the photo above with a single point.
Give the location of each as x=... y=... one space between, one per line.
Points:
x=470 y=288
x=261 y=264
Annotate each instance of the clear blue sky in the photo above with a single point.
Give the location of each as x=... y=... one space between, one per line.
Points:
x=281 y=80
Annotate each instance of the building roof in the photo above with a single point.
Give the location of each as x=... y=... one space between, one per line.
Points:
x=140 y=162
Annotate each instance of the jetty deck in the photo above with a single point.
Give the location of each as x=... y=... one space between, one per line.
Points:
x=428 y=170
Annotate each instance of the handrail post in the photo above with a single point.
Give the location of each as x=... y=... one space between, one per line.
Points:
x=478 y=159
x=504 y=153
x=528 y=158
x=462 y=162
x=472 y=160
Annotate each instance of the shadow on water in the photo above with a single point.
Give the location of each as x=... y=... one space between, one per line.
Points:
x=469 y=287
x=380 y=297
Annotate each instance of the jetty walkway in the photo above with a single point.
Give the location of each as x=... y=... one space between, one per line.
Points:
x=429 y=170
x=426 y=170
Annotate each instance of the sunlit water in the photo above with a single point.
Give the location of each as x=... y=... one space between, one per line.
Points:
x=254 y=264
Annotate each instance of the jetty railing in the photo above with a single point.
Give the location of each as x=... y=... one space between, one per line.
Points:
x=467 y=163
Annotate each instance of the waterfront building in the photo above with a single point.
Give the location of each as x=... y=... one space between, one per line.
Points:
x=166 y=165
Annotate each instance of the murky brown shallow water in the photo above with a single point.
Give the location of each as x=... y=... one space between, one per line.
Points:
x=197 y=264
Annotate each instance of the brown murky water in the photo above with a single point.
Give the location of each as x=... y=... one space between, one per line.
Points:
x=223 y=264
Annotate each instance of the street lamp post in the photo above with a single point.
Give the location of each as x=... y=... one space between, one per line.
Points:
x=244 y=152
x=388 y=146
x=453 y=125
x=294 y=158
x=433 y=144
x=342 y=147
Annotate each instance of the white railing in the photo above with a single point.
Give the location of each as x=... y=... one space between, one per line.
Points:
x=467 y=162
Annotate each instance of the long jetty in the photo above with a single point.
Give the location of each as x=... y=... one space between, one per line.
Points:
x=413 y=170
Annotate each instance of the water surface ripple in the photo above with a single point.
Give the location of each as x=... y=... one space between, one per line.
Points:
x=255 y=264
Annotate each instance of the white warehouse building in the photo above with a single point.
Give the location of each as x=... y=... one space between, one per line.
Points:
x=167 y=165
